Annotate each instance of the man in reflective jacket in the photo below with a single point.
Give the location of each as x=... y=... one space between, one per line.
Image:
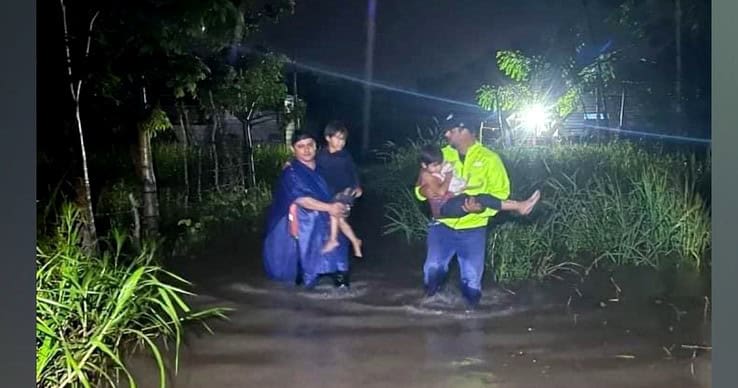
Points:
x=466 y=236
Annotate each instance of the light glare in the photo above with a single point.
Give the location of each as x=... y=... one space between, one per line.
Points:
x=535 y=118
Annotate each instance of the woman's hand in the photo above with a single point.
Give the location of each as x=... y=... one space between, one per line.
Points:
x=357 y=192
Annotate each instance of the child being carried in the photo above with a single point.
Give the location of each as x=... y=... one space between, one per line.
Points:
x=445 y=190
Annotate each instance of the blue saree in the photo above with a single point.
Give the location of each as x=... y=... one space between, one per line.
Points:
x=295 y=236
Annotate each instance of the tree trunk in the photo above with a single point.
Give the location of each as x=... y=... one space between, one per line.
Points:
x=89 y=214
x=150 y=198
x=243 y=153
x=199 y=173
x=250 y=144
x=213 y=148
x=136 y=234
x=252 y=167
x=216 y=172
x=185 y=162
x=188 y=132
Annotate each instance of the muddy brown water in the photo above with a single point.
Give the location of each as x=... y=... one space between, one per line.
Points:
x=384 y=333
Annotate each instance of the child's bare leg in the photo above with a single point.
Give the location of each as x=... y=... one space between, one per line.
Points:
x=349 y=233
x=522 y=207
x=332 y=242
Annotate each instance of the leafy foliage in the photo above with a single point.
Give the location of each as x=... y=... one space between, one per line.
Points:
x=533 y=79
x=90 y=311
x=515 y=65
x=156 y=122
x=254 y=83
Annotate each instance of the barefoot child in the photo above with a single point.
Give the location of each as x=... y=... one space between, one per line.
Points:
x=339 y=171
x=444 y=189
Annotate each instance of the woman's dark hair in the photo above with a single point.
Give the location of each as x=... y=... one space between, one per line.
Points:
x=335 y=127
x=300 y=135
x=430 y=154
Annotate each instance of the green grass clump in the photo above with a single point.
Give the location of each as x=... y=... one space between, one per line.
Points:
x=94 y=309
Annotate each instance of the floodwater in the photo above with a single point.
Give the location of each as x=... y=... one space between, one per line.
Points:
x=627 y=329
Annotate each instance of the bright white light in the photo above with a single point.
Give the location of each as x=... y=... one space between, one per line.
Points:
x=534 y=118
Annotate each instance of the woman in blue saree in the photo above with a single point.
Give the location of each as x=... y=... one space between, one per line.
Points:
x=298 y=223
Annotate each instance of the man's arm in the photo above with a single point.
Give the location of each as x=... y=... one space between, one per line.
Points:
x=497 y=182
x=335 y=209
x=304 y=198
x=494 y=181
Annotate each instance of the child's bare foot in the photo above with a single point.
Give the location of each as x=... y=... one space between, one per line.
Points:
x=528 y=204
x=329 y=246
x=357 y=248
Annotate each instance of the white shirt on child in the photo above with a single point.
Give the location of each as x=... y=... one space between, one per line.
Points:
x=457 y=184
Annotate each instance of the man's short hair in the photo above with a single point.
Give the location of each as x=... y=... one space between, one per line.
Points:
x=466 y=121
x=335 y=127
x=301 y=135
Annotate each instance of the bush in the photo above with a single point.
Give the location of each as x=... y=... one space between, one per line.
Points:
x=197 y=227
x=93 y=309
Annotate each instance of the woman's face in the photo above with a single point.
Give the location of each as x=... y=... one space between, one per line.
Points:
x=304 y=150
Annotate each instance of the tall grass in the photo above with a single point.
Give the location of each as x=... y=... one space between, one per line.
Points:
x=400 y=163
x=616 y=203
x=92 y=310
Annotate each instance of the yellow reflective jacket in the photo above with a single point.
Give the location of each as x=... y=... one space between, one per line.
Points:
x=485 y=174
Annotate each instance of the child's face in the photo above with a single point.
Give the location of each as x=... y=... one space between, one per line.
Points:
x=433 y=168
x=337 y=141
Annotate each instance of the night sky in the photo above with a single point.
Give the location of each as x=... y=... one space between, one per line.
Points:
x=414 y=38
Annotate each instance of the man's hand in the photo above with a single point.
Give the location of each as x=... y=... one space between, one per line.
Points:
x=471 y=205
x=337 y=209
x=358 y=192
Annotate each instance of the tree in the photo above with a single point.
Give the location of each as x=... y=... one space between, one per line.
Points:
x=75 y=88
x=535 y=80
x=154 y=123
x=254 y=84
x=154 y=50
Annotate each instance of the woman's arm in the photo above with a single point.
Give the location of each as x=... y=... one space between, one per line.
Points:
x=335 y=209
